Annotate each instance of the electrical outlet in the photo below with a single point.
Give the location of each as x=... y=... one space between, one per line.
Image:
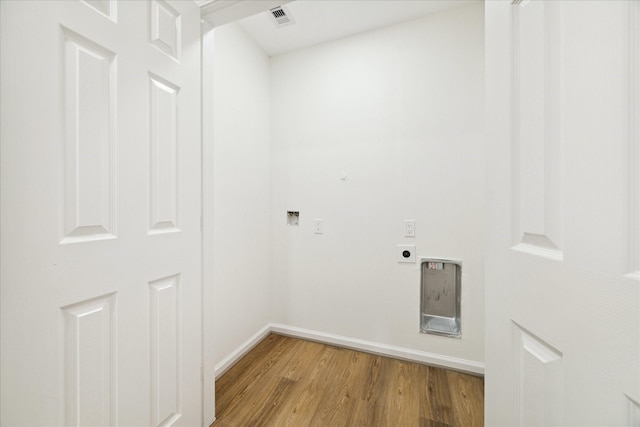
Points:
x=406 y=253
x=318 y=226
x=409 y=228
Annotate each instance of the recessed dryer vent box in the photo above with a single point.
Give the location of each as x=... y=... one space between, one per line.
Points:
x=440 y=282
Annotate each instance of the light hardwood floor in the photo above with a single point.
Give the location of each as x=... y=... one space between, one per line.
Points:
x=290 y=382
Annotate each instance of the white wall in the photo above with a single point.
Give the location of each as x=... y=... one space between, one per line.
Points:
x=400 y=111
x=241 y=190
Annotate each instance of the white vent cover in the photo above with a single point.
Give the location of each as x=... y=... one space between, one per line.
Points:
x=281 y=16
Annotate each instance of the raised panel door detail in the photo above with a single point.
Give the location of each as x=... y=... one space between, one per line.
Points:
x=538 y=379
x=105 y=7
x=89 y=144
x=163 y=163
x=165 y=28
x=537 y=139
x=166 y=387
x=634 y=140
x=634 y=412
x=89 y=362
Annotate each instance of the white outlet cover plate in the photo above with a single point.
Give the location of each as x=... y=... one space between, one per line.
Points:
x=409 y=228
x=400 y=250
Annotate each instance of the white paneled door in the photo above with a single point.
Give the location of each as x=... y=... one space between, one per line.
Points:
x=100 y=247
x=563 y=231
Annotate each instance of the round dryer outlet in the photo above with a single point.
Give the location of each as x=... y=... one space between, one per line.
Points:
x=406 y=253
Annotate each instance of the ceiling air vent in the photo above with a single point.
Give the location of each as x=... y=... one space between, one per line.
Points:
x=281 y=16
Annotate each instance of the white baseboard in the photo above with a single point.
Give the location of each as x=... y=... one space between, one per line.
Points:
x=455 y=363
x=243 y=349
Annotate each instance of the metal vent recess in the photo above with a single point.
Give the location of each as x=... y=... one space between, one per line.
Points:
x=281 y=16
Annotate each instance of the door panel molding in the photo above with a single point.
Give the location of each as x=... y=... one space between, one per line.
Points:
x=634 y=412
x=537 y=380
x=165 y=28
x=89 y=149
x=163 y=162
x=166 y=350
x=537 y=137
x=108 y=8
x=90 y=370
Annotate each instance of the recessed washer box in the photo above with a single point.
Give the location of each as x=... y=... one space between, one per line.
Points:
x=293 y=218
x=440 y=282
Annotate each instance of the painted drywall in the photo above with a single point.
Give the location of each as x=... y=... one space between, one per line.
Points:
x=399 y=112
x=241 y=190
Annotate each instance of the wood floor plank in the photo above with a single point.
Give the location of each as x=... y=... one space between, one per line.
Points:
x=360 y=408
x=271 y=406
x=334 y=394
x=345 y=401
x=371 y=385
x=383 y=393
x=258 y=379
x=290 y=382
x=268 y=384
x=237 y=381
x=362 y=414
x=438 y=400
x=405 y=408
x=467 y=397
x=306 y=397
x=430 y=423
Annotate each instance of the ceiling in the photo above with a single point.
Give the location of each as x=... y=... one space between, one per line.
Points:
x=319 y=21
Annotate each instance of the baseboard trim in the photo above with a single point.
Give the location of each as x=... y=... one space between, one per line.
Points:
x=454 y=363
x=457 y=364
x=226 y=363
